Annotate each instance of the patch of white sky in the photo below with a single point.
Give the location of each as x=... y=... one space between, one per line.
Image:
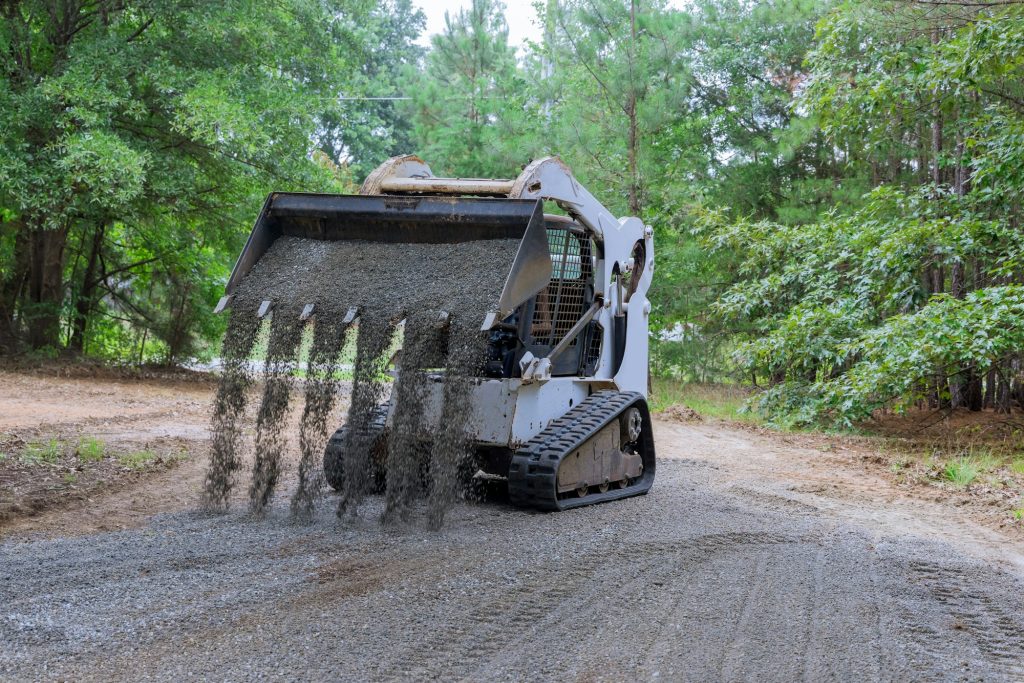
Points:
x=523 y=24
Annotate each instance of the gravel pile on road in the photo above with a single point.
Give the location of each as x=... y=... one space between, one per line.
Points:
x=695 y=581
x=442 y=292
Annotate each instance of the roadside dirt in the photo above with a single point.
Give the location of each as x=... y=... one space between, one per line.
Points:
x=171 y=417
x=757 y=556
x=165 y=419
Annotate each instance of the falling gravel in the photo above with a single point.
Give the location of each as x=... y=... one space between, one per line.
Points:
x=435 y=296
x=322 y=383
x=228 y=406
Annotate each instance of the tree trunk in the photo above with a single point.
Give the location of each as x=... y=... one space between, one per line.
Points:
x=86 y=292
x=12 y=286
x=990 y=388
x=941 y=385
x=177 y=337
x=45 y=286
x=957 y=383
x=922 y=154
x=634 y=174
x=973 y=390
x=1003 y=395
x=936 y=127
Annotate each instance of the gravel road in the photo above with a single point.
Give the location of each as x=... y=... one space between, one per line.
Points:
x=716 y=575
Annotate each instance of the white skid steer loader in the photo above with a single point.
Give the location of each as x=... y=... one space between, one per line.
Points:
x=560 y=406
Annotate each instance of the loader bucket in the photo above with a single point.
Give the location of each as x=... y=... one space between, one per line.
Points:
x=412 y=219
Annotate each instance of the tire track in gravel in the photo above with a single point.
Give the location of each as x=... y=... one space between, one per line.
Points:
x=997 y=635
x=815 y=664
x=499 y=621
x=625 y=574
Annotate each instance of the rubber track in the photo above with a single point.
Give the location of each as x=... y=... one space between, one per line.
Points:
x=335 y=449
x=533 y=473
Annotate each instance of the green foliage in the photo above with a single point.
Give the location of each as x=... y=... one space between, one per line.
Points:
x=42 y=453
x=90 y=449
x=139 y=140
x=360 y=133
x=950 y=334
x=962 y=471
x=137 y=459
x=909 y=295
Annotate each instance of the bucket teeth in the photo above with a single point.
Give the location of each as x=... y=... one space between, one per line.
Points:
x=264 y=309
x=351 y=315
x=224 y=302
x=489 y=322
x=307 y=312
x=443 y=318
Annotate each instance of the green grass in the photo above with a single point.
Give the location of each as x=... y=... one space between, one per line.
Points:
x=136 y=460
x=70 y=478
x=90 y=449
x=722 y=401
x=38 y=453
x=962 y=471
x=1018 y=514
x=1017 y=466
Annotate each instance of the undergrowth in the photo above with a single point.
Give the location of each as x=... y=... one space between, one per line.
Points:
x=962 y=471
x=136 y=460
x=90 y=449
x=40 y=453
x=721 y=401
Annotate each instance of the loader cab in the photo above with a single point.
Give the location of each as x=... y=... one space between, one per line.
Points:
x=540 y=323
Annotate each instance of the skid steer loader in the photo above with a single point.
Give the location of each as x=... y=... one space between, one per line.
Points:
x=560 y=405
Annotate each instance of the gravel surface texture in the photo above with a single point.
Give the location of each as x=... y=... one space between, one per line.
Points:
x=698 y=580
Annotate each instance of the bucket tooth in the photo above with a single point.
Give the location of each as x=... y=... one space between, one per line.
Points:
x=264 y=309
x=351 y=315
x=443 y=319
x=489 y=322
x=224 y=302
x=307 y=312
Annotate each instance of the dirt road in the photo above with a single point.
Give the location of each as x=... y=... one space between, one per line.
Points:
x=752 y=559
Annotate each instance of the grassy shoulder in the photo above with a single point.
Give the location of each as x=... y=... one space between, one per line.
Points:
x=717 y=401
x=970 y=457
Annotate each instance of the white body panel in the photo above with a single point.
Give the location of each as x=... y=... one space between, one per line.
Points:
x=507 y=412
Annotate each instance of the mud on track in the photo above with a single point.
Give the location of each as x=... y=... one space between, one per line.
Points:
x=723 y=572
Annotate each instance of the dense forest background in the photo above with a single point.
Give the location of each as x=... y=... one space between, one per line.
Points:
x=836 y=186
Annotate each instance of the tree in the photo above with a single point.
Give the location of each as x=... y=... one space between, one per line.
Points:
x=136 y=134
x=468 y=101
x=913 y=297
x=361 y=131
